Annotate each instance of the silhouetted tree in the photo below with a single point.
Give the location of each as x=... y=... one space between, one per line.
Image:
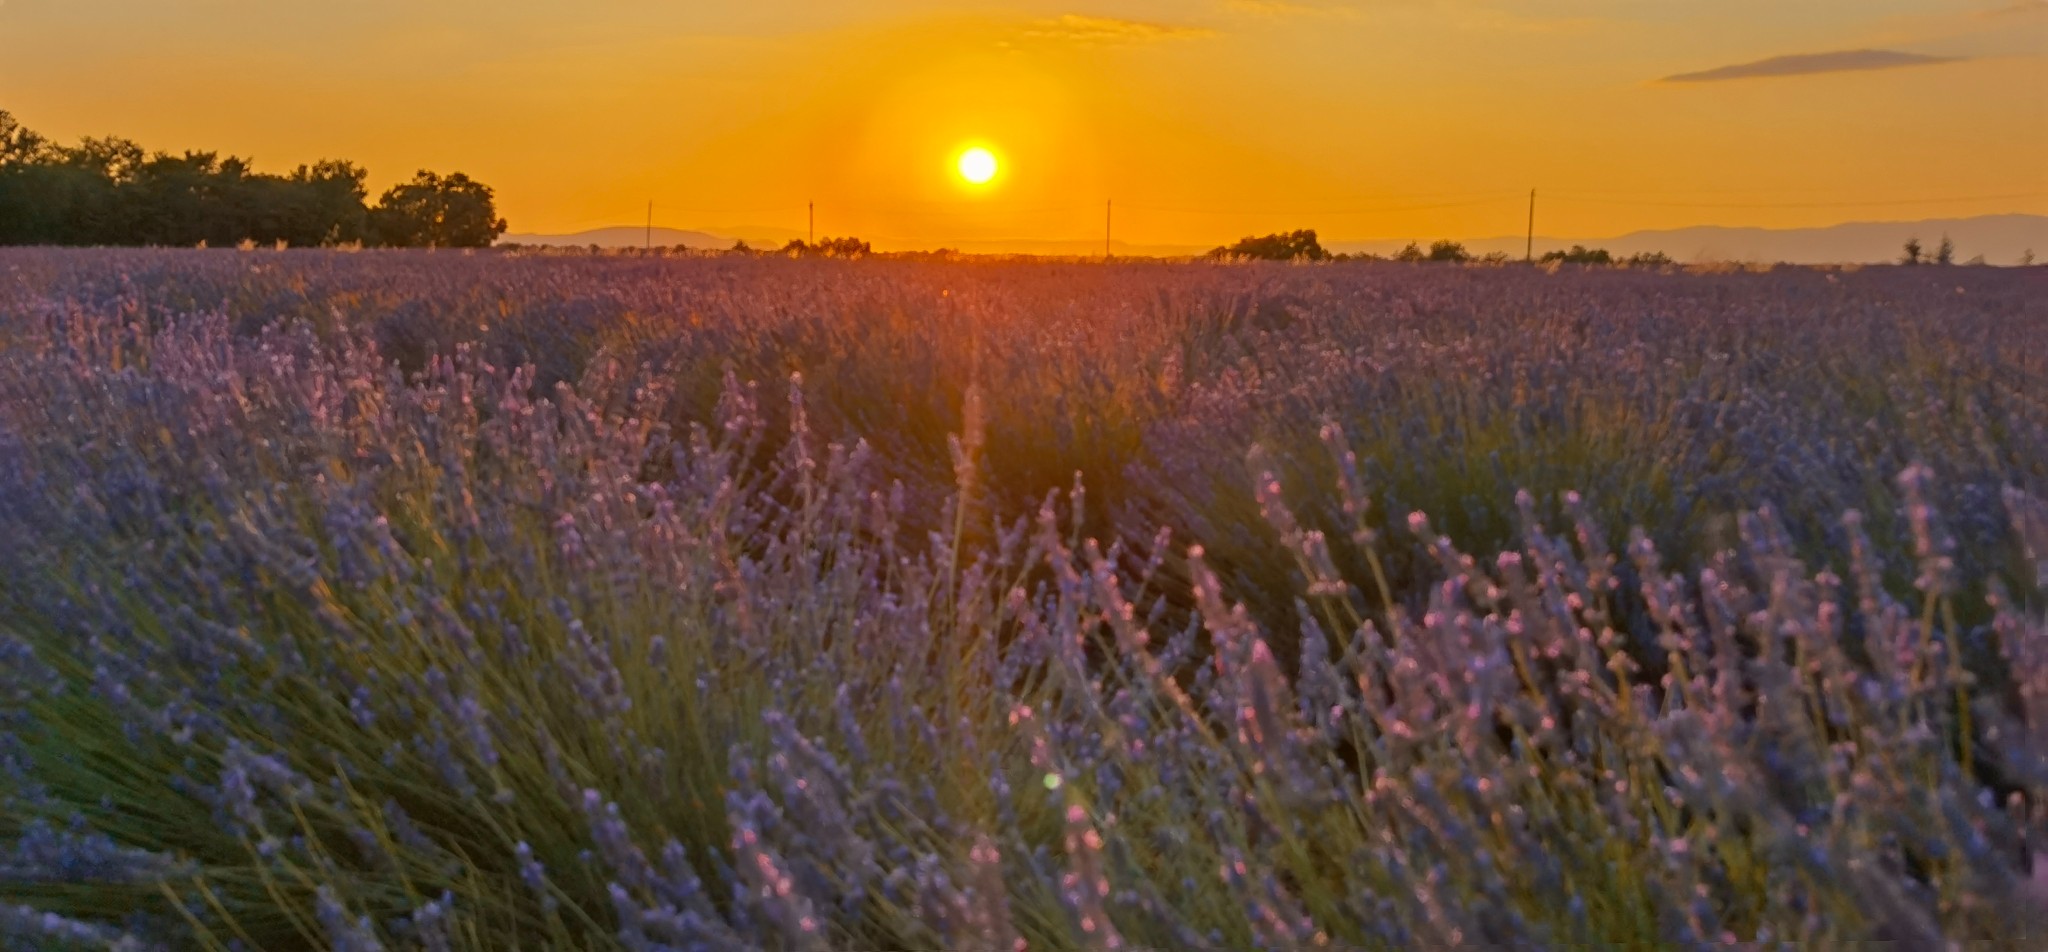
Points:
x=435 y=212
x=18 y=146
x=111 y=192
x=186 y=200
x=1945 y=253
x=82 y=193
x=1913 y=252
x=1580 y=254
x=326 y=206
x=1412 y=253
x=1449 y=251
x=843 y=248
x=115 y=158
x=44 y=198
x=1288 y=246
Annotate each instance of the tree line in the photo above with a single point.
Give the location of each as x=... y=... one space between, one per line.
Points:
x=110 y=191
x=1303 y=246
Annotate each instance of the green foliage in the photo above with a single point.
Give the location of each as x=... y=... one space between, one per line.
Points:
x=18 y=145
x=110 y=191
x=435 y=212
x=1282 y=246
x=325 y=207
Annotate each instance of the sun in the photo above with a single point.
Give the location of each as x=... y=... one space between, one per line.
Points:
x=977 y=165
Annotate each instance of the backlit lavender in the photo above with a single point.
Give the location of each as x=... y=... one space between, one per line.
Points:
x=441 y=601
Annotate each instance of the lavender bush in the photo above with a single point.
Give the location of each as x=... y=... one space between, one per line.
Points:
x=482 y=602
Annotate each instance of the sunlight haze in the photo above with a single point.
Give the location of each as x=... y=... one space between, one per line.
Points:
x=1202 y=121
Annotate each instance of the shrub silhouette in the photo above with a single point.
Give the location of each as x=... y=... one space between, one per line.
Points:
x=1580 y=254
x=1450 y=251
x=829 y=248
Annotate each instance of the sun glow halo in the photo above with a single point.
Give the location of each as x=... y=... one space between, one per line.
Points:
x=977 y=165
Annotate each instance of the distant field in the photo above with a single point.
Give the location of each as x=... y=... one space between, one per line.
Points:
x=485 y=601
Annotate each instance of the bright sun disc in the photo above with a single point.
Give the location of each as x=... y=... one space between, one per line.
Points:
x=977 y=165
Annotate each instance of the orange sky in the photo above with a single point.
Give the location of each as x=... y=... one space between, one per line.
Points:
x=1203 y=119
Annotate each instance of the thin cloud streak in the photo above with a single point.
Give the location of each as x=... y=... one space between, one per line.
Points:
x=1809 y=64
x=1103 y=31
x=1289 y=8
x=2015 y=9
x=1474 y=15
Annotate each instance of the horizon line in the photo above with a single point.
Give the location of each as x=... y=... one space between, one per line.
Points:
x=730 y=232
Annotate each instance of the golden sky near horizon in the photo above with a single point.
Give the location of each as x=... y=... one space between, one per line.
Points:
x=1203 y=119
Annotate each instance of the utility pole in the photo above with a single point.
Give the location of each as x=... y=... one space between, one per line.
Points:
x=1529 y=250
x=650 y=226
x=814 y=224
x=1108 y=210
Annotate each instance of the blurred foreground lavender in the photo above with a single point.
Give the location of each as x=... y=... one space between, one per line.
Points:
x=436 y=601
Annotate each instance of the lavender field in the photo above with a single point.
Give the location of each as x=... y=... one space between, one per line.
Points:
x=476 y=601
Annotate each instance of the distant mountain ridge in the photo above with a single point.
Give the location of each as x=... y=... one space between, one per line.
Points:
x=771 y=238
x=623 y=237
x=1999 y=239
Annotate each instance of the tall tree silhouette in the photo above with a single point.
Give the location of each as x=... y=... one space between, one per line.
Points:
x=435 y=212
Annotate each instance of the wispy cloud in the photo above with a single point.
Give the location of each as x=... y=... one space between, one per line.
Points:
x=1290 y=8
x=1511 y=22
x=1108 y=31
x=1807 y=64
x=1478 y=15
x=2014 y=9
